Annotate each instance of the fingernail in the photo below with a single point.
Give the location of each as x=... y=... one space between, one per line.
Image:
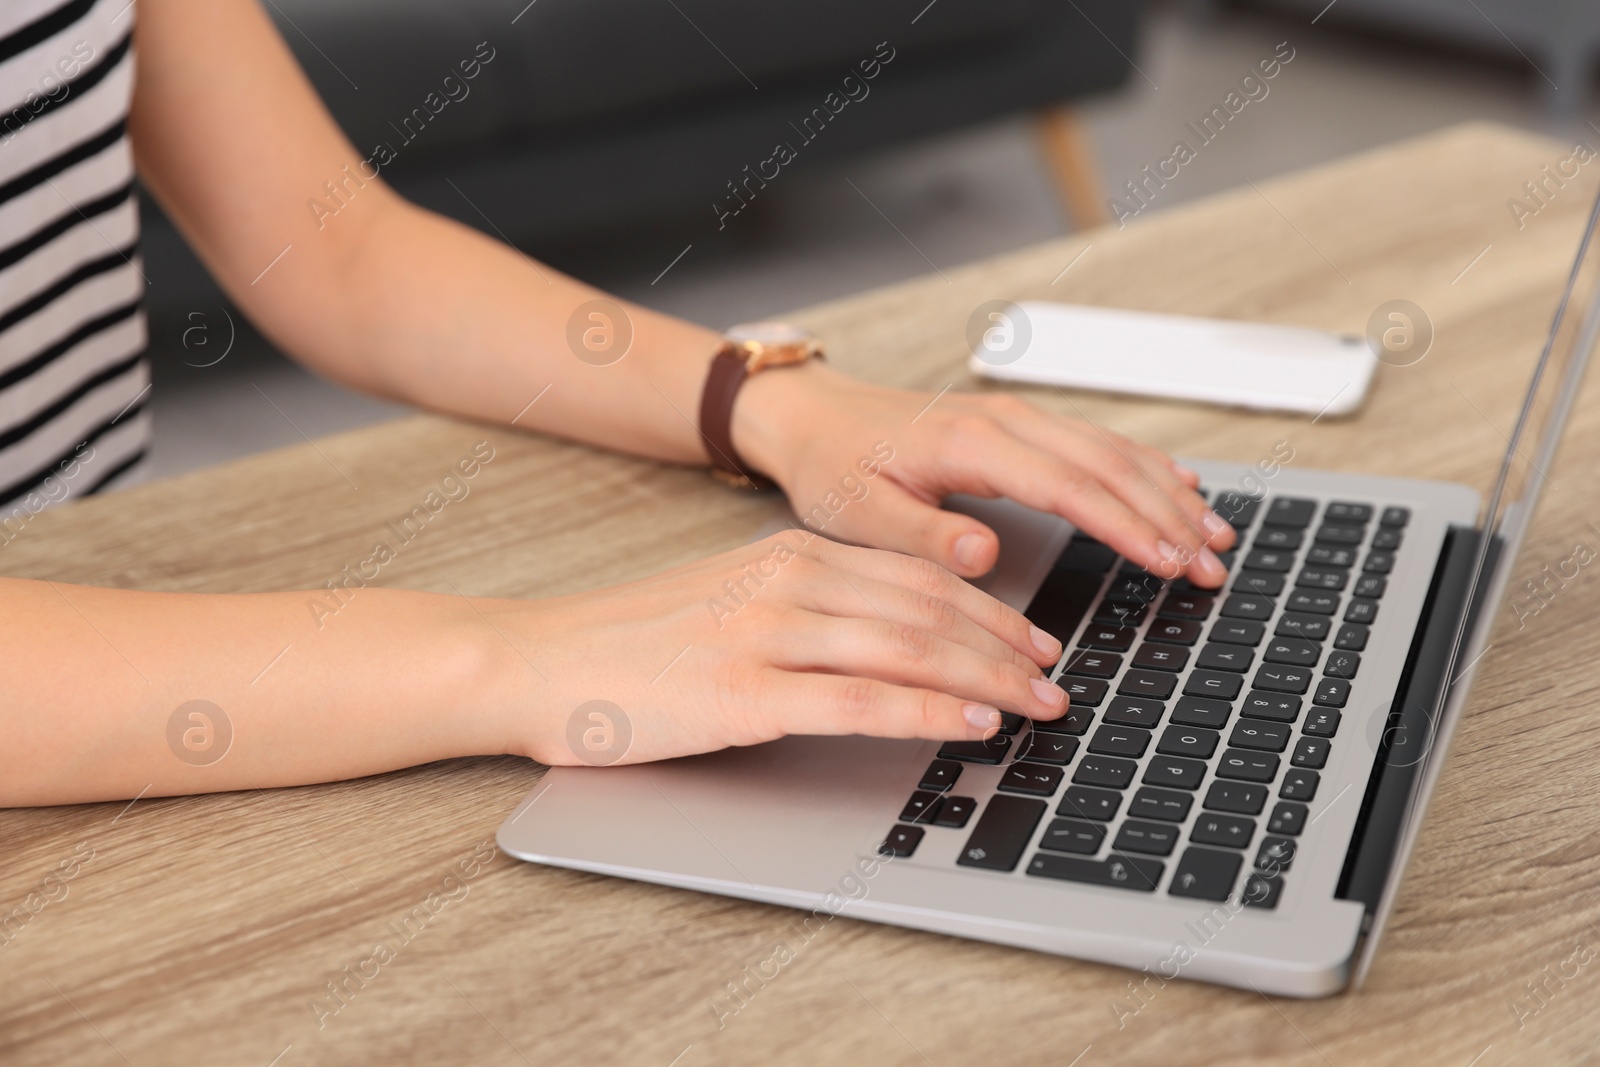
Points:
x=1215 y=524
x=1185 y=472
x=1053 y=695
x=1208 y=559
x=1168 y=550
x=981 y=715
x=969 y=549
x=1046 y=644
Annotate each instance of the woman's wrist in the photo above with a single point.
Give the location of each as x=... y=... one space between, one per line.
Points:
x=775 y=412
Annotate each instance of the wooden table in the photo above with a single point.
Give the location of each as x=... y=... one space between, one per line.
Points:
x=203 y=929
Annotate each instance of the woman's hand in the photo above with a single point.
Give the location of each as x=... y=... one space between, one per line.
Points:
x=791 y=635
x=819 y=433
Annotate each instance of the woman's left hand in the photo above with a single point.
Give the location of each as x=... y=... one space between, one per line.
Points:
x=877 y=462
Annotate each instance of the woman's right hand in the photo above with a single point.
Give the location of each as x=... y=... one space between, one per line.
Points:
x=794 y=634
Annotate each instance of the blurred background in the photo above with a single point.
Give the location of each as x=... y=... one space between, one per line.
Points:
x=607 y=139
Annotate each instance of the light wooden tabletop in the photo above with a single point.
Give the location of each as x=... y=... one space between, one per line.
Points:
x=204 y=929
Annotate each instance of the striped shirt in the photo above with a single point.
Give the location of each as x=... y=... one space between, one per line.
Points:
x=74 y=380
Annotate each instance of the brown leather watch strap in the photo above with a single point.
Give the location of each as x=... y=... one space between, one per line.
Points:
x=723 y=381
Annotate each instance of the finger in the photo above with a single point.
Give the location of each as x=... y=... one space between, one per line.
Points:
x=920 y=575
x=1143 y=483
x=810 y=703
x=902 y=522
x=839 y=593
x=905 y=655
x=1180 y=483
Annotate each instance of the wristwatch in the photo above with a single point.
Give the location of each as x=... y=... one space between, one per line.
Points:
x=749 y=348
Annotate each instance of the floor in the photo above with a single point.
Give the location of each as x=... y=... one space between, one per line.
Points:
x=954 y=199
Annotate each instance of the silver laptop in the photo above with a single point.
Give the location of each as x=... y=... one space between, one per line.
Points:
x=1237 y=786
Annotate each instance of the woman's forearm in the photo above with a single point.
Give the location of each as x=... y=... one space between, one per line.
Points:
x=112 y=693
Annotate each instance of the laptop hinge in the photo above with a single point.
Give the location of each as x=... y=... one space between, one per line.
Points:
x=1408 y=734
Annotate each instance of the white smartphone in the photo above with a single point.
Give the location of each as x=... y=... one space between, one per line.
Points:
x=1239 y=364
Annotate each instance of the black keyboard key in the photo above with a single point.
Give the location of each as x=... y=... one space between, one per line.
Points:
x=1370 y=586
x=1362 y=611
x=1275 y=707
x=922 y=807
x=1011 y=722
x=1081 y=802
x=1214 y=684
x=1331 y=693
x=1031 y=779
x=1232 y=831
x=1331 y=556
x=1154 y=838
x=1157 y=685
x=1342 y=664
x=1329 y=578
x=1378 y=563
x=1290 y=511
x=991 y=751
x=1299 y=784
x=1062 y=601
x=1287 y=818
x=1157 y=657
x=1152 y=803
x=1083 y=554
x=1343 y=511
x=1205 y=874
x=1201 y=711
x=1111 y=613
x=1261 y=891
x=1310 y=752
x=1265 y=559
x=1236 y=509
x=1308 y=627
x=1242 y=765
x=1225 y=657
x=1352 y=637
x=1054 y=749
x=1334 y=534
x=1111 y=740
x=1238 y=632
x=1174 y=631
x=1393 y=516
x=1295 y=651
x=940 y=775
x=1186 y=606
x=1133 y=589
x=1278 y=537
x=1260 y=734
x=1241 y=798
x=1282 y=678
x=1387 y=539
x=1248 y=606
x=1075 y=721
x=1119 y=872
x=1174 y=772
x=1258 y=583
x=1092 y=664
x=1313 y=601
x=1322 y=722
x=1105 y=770
x=955 y=811
x=1135 y=711
x=1081 y=693
x=1193 y=741
x=1002 y=833
x=1276 y=854
x=1108 y=638
x=1070 y=835
x=902 y=841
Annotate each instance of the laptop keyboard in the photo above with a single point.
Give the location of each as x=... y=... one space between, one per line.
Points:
x=1199 y=719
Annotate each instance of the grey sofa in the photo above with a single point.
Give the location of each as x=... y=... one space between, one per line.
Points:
x=581 y=115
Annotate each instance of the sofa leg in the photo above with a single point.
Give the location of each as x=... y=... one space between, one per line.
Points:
x=1070 y=160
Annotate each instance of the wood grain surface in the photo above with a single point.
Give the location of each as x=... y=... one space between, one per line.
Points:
x=206 y=930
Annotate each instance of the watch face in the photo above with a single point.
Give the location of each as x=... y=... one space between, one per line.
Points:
x=770 y=333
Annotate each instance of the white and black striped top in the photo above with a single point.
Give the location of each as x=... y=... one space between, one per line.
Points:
x=74 y=380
